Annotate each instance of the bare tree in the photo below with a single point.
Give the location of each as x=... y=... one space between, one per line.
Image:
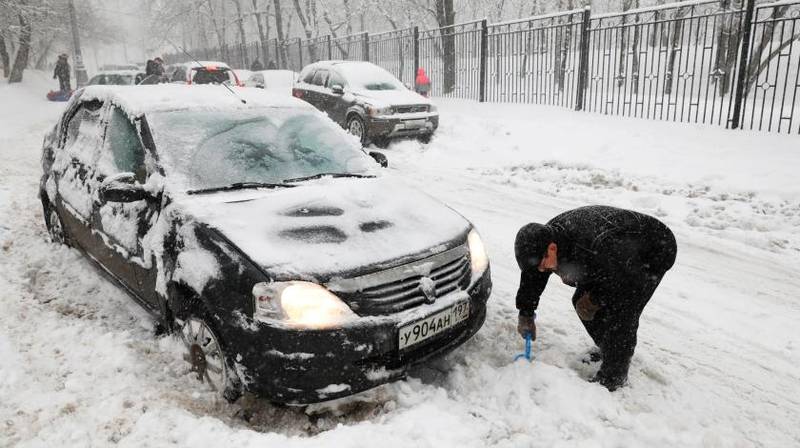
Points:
x=244 y=60
x=21 y=61
x=446 y=18
x=4 y=57
x=263 y=28
x=282 y=59
x=306 y=19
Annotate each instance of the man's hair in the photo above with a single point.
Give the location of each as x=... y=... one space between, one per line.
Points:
x=531 y=244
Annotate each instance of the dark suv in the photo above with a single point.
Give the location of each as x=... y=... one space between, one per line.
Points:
x=264 y=236
x=367 y=100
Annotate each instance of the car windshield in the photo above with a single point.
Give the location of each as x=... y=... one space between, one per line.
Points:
x=364 y=76
x=202 y=149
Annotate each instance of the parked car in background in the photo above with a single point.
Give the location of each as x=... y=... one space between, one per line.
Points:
x=367 y=100
x=264 y=236
x=117 y=78
x=279 y=81
x=203 y=72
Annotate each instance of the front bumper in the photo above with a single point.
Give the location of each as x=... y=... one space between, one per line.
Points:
x=309 y=366
x=405 y=125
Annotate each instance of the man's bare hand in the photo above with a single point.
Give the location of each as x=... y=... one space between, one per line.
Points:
x=526 y=324
x=586 y=308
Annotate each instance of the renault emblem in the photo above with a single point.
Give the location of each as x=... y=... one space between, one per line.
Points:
x=428 y=287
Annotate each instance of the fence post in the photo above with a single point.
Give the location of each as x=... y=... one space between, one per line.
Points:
x=483 y=61
x=741 y=75
x=583 y=64
x=365 y=46
x=330 y=54
x=416 y=54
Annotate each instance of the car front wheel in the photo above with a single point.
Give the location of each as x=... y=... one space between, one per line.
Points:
x=206 y=356
x=356 y=127
x=54 y=226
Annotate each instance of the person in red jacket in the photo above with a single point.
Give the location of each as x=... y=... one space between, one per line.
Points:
x=422 y=85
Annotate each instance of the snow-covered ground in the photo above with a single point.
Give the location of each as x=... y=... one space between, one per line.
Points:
x=717 y=362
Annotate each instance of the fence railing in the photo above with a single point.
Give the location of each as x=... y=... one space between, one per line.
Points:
x=723 y=62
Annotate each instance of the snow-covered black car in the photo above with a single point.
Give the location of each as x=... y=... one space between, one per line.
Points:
x=367 y=100
x=264 y=236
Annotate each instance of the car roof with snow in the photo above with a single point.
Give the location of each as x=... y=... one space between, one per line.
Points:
x=139 y=100
x=118 y=72
x=199 y=64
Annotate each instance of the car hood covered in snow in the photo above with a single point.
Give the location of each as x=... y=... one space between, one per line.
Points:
x=330 y=227
x=385 y=98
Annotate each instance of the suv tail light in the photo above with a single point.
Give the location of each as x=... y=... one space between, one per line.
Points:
x=297 y=93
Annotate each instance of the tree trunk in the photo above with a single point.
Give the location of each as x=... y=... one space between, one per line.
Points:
x=727 y=36
x=263 y=30
x=446 y=16
x=282 y=60
x=4 y=57
x=21 y=61
x=244 y=60
x=305 y=22
x=675 y=40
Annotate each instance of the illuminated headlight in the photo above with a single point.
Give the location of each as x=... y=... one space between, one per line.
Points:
x=379 y=111
x=477 y=253
x=300 y=304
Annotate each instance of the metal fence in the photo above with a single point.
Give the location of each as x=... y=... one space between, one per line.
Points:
x=723 y=62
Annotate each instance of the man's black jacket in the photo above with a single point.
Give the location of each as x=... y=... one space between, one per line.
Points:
x=600 y=249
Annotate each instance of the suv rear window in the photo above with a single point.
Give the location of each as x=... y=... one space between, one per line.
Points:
x=320 y=78
x=309 y=78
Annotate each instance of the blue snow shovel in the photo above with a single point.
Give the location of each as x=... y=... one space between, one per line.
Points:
x=527 y=355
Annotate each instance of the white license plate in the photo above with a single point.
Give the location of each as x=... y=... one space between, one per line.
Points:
x=413 y=124
x=432 y=325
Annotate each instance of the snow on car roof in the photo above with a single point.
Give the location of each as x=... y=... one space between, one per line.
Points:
x=138 y=100
x=205 y=64
x=119 y=72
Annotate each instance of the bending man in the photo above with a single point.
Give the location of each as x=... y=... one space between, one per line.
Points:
x=614 y=258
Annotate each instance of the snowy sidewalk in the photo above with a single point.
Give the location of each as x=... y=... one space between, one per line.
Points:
x=716 y=363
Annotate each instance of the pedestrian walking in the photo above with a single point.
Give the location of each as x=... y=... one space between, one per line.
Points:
x=422 y=84
x=62 y=73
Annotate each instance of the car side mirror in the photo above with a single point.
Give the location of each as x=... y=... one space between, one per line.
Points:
x=123 y=188
x=380 y=158
x=337 y=89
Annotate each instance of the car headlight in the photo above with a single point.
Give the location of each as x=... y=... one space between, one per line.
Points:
x=379 y=111
x=477 y=253
x=300 y=304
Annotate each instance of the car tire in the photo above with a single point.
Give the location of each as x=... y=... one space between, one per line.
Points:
x=205 y=352
x=426 y=138
x=357 y=127
x=55 y=227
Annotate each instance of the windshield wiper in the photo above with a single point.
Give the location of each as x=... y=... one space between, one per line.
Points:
x=239 y=186
x=317 y=176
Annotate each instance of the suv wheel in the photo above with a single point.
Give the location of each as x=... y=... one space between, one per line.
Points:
x=356 y=126
x=206 y=356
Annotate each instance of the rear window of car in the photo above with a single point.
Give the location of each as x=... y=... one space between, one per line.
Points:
x=204 y=76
